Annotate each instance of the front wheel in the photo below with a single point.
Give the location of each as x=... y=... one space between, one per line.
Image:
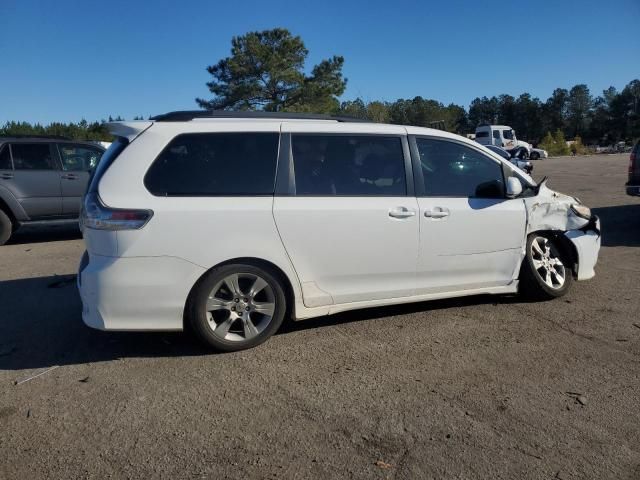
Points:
x=545 y=272
x=237 y=307
x=534 y=156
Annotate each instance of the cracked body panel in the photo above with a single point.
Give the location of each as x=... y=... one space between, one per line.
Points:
x=556 y=212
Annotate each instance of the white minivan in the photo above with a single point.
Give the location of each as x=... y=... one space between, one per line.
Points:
x=229 y=222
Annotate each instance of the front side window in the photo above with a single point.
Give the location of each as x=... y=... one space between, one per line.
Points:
x=496 y=134
x=32 y=156
x=5 y=158
x=348 y=165
x=77 y=158
x=215 y=164
x=450 y=169
x=508 y=134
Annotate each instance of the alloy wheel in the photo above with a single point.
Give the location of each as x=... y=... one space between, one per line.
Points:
x=547 y=263
x=240 y=307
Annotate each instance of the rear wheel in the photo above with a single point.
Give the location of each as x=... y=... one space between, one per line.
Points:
x=6 y=228
x=545 y=272
x=237 y=307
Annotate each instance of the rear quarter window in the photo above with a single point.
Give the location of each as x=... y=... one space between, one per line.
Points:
x=215 y=164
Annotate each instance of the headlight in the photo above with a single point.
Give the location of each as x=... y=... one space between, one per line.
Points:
x=581 y=211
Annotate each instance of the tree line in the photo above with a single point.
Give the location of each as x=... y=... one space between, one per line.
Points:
x=266 y=71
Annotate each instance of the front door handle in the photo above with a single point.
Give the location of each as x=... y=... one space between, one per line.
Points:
x=69 y=176
x=438 y=212
x=401 y=212
x=6 y=176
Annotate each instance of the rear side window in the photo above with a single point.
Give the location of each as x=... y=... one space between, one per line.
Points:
x=78 y=158
x=345 y=165
x=5 y=158
x=215 y=164
x=482 y=134
x=32 y=156
x=450 y=169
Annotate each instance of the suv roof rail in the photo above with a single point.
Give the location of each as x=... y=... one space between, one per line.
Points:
x=53 y=137
x=186 y=115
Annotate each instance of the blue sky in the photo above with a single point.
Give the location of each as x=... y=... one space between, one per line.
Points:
x=66 y=60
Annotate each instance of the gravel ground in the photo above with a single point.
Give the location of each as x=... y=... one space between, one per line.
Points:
x=481 y=387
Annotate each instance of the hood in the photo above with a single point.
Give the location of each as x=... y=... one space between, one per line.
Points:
x=551 y=210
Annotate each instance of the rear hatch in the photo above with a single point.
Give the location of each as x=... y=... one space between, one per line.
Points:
x=102 y=239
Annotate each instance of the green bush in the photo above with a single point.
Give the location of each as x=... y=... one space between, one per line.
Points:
x=555 y=145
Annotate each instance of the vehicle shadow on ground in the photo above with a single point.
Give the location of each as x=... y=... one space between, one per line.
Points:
x=620 y=225
x=42 y=234
x=41 y=326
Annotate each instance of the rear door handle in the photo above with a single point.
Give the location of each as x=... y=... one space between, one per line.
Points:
x=401 y=212
x=438 y=212
x=6 y=176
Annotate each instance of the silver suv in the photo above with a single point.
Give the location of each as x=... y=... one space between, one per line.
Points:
x=42 y=179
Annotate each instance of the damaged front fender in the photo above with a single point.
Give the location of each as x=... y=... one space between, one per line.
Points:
x=552 y=211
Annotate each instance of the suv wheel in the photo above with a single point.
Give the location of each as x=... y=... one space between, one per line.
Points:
x=535 y=156
x=6 y=228
x=237 y=307
x=545 y=272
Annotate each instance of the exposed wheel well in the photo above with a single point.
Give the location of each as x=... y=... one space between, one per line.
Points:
x=568 y=249
x=257 y=262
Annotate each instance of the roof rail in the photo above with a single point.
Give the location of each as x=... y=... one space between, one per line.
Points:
x=53 y=137
x=187 y=115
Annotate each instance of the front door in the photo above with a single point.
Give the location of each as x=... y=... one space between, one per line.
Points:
x=471 y=235
x=77 y=163
x=349 y=222
x=35 y=181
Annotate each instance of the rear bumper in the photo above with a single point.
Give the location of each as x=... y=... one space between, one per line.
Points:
x=587 y=243
x=138 y=293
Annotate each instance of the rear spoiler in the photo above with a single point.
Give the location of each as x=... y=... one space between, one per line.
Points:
x=129 y=130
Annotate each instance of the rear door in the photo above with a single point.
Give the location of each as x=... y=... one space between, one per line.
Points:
x=36 y=179
x=348 y=217
x=471 y=235
x=78 y=161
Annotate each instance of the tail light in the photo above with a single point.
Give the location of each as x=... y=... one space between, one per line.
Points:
x=98 y=216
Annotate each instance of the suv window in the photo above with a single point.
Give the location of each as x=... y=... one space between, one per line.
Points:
x=496 y=134
x=5 y=158
x=451 y=169
x=348 y=165
x=32 y=156
x=215 y=164
x=482 y=134
x=78 y=157
x=508 y=134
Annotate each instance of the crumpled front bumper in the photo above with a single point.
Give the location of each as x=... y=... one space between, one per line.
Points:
x=587 y=242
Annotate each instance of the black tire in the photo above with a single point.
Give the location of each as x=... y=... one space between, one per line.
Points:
x=203 y=322
x=6 y=228
x=534 y=156
x=532 y=283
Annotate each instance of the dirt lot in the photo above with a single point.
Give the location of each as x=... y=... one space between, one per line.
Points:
x=483 y=387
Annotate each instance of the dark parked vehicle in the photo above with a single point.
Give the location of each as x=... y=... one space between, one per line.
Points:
x=633 y=185
x=42 y=179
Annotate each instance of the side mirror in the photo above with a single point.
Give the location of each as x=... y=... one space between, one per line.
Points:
x=514 y=187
